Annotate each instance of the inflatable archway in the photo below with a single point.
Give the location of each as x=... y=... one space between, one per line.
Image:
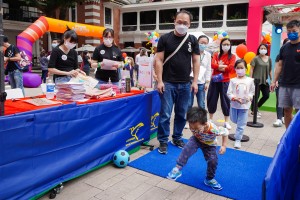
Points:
x=26 y=39
x=255 y=18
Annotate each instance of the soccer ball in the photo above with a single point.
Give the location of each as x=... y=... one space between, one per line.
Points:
x=121 y=158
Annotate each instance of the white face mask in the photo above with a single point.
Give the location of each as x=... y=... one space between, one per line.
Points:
x=225 y=48
x=263 y=51
x=181 y=29
x=107 y=41
x=69 y=45
x=54 y=45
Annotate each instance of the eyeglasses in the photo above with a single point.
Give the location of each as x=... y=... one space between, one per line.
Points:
x=225 y=44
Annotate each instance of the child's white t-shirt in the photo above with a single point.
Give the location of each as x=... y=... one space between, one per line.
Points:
x=241 y=88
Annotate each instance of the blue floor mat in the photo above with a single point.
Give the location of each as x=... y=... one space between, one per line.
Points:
x=240 y=173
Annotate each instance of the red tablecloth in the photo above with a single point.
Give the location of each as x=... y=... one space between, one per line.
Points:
x=18 y=106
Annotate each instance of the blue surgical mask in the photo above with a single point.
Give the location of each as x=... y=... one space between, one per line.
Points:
x=202 y=47
x=293 y=36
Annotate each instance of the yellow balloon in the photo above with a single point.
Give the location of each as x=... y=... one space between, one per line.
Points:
x=249 y=56
x=248 y=69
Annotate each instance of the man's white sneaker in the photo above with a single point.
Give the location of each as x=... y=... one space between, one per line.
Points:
x=227 y=125
x=282 y=120
x=237 y=144
x=277 y=123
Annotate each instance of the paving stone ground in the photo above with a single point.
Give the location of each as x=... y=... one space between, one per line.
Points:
x=111 y=183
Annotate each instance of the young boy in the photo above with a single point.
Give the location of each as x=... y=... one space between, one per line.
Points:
x=204 y=137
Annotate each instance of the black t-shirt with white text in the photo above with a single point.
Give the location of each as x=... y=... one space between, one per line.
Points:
x=11 y=51
x=64 y=62
x=111 y=53
x=290 y=73
x=178 y=68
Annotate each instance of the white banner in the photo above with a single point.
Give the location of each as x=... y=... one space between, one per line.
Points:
x=145 y=72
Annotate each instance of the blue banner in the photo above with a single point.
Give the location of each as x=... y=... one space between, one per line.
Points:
x=38 y=150
x=282 y=180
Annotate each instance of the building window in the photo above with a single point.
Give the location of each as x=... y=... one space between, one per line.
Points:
x=129 y=21
x=108 y=16
x=195 y=14
x=166 y=19
x=212 y=16
x=147 y=20
x=237 y=15
x=73 y=14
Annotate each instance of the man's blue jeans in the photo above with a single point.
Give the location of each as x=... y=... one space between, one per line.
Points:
x=16 y=80
x=177 y=94
x=200 y=97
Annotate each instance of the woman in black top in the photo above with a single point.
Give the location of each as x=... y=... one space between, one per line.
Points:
x=63 y=60
x=107 y=50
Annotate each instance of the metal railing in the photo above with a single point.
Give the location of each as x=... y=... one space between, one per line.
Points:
x=20 y=15
x=147 y=27
x=129 y=27
x=212 y=24
x=237 y=22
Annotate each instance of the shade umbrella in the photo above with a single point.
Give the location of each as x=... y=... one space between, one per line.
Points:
x=86 y=47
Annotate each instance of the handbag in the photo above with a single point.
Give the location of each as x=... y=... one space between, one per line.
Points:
x=179 y=46
x=217 y=78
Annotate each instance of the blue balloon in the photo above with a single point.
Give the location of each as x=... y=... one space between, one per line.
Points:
x=121 y=158
x=224 y=34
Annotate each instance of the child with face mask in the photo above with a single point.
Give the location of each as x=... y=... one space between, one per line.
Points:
x=240 y=92
x=204 y=137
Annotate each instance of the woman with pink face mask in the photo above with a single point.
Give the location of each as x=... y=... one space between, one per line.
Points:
x=107 y=50
x=240 y=92
x=63 y=62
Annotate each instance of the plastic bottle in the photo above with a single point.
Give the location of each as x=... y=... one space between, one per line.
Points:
x=50 y=89
x=123 y=85
x=109 y=82
x=127 y=84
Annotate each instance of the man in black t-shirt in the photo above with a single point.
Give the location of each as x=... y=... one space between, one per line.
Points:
x=11 y=57
x=289 y=69
x=173 y=78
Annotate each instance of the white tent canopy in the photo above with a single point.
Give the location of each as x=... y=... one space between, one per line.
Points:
x=87 y=47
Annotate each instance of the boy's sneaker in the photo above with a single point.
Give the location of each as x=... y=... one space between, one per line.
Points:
x=213 y=184
x=174 y=174
x=163 y=148
x=227 y=125
x=277 y=123
x=179 y=143
x=237 y=144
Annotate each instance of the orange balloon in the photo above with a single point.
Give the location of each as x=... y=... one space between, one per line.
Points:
x=124 y=55
x=241 y=50
x=249 y=56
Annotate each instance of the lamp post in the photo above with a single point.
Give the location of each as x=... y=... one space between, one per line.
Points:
x=2 y=82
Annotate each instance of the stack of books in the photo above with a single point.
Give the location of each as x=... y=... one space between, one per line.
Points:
x=70 y=91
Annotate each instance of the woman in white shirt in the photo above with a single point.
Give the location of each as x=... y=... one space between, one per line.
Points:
x=204 y=74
